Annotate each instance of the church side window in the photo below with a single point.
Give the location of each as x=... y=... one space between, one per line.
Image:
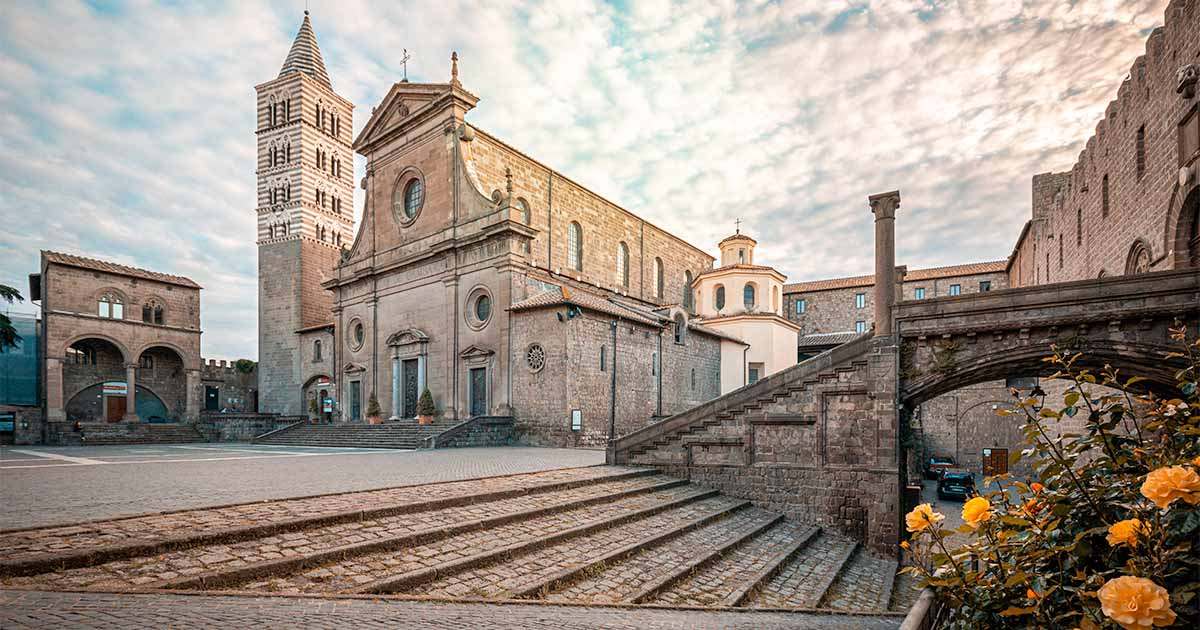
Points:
x=680 y=328
x=603 y=358
x=719 y=297
x=688 y=302
x=623 y=264
x=413 y=196
x=317 y=351
x=575 y=246
x=748 y=295
x=658 y=278
x=110 y=307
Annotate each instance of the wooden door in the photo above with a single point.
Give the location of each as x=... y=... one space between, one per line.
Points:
x=408 y=378
x=114 y=408
x=995 y=461
x=478 y=380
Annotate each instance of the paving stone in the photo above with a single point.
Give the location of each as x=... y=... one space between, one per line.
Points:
x=861 y=583
x=711 y=585
x=799 y=583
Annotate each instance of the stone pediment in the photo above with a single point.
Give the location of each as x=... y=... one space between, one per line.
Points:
x=407 y=337
x=353 y=368
x=476 y=352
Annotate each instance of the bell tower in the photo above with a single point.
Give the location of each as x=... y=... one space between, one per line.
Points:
x=305 y=212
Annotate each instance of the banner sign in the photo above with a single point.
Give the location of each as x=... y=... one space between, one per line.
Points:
x=115 y=388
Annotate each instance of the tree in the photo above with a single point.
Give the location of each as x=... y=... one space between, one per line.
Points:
x=425 y=406
x=8 y=335
x=373 y=407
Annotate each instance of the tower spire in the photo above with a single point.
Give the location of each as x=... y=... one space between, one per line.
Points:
x=305 y=55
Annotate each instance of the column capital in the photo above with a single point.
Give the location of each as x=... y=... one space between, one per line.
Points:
x=884 y=205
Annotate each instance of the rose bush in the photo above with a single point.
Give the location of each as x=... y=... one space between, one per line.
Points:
x=1105 y=536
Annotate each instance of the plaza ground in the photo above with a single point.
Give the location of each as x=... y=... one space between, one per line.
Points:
x=42 y=486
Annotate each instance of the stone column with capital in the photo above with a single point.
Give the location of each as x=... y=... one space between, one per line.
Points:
x=395 y=386
x=884 y=206
x=55 y=405
x=131 y=393
x=192 y=397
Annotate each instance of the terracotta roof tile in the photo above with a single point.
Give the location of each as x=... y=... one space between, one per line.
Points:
x=817 y=340
x=995 y=266
x=81 y=262
x=736 y=266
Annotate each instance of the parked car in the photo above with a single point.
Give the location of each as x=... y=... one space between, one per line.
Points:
x=935 y=465
x=956 y=484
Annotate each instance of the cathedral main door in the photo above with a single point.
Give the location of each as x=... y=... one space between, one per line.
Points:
x=408 y=372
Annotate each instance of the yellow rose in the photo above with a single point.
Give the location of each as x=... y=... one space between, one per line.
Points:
x=1166 y=484
x=922 y=517
x=1196 y=462
x=976 y=511
x=1136 y=603
x=1126 y=532
x=904 y=544
x=1036 y=487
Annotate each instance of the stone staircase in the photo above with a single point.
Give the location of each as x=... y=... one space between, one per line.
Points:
x=584 y=536
x=105 y=433
x=399 y=435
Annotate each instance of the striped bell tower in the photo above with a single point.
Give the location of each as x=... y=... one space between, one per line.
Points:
x=305 y=212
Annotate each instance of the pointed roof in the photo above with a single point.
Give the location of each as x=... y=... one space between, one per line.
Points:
x=305 y=55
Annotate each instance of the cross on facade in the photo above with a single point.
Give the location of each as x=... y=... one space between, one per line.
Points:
x=404 y=60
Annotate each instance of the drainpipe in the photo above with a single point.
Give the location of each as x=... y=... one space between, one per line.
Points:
x=612 y=397
x=659 y=371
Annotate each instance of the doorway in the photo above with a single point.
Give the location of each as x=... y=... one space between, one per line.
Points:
x=408 y=375
x=212 y=398
x=995 y=461
x=478 y=381
x=114 y=408
x=355 y=400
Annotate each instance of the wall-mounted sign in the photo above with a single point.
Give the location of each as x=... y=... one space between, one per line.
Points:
x=327 y=406
x=576 y=420
x=323 y=382
x=7 y=423
x=115 y=388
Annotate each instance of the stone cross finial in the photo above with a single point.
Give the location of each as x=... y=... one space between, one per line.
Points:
x=508 y=178
x=454 y=68
x=737 y=225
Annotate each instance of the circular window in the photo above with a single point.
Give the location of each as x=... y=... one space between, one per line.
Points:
x=358 y=334
x=535 y=357
x=479 y=307
x=408 y=196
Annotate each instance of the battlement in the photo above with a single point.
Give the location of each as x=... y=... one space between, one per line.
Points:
x=221 y=369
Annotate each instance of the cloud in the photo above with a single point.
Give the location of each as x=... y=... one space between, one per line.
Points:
x=127 y=130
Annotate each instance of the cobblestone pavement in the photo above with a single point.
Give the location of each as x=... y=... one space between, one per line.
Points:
x=800 y=584
x=39 y=488
x=711 y=585
x=33 y=543
x=31 y=609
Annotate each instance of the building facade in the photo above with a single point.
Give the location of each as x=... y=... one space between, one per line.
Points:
x=305 y=213
x=1130 y=202
x=745 y=301
x=20 y=391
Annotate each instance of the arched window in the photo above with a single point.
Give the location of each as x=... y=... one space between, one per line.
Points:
x=1138 y=260
x=603 y=358
x=693 y=379
x=526 y=215
x=775 y=299
x=688 y=303
x=658 y=278
x=575 y=246
x=680 y=328
x=623 y=264
x=317 y=351
x=152 y=312
x=158 y=314
x=748 y=296
x=110 y=306
x=719 y=297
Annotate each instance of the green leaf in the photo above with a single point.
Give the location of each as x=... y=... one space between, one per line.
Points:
x=1071 y=398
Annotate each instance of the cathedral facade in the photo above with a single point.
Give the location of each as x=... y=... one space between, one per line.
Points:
x=477 y=274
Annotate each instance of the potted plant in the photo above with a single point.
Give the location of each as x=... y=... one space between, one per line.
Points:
x=425 y=408
x=373 y=413
x=313 y=410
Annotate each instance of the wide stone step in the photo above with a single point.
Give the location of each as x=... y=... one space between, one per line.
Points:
x=864 y=583
x=396 y=570
x=643 y=574
x=729 y=580
x=804 y=581
x=538 y=569
x=40 y=550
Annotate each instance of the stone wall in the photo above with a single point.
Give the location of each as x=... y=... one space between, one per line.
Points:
x=27 y=423
x=241 y=427
x=1123 y=195
x=573 y=378
x=237 y=391
x=479 y=431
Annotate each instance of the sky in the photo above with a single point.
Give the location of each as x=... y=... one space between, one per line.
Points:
x=127 y=128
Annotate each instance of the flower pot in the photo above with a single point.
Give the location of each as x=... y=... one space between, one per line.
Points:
x=424 y=419
x=374 y=420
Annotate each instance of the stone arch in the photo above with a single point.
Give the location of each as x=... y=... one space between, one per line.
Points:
x=85 y=405
x=1132 y=358
x=1181 y=235
x=126 y=357
x=189 y=362
x=1139 y=258
x=316 y=389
